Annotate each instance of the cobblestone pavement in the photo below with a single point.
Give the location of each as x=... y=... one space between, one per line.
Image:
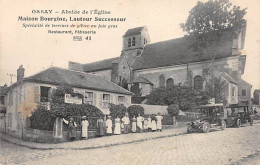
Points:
x=231 y=146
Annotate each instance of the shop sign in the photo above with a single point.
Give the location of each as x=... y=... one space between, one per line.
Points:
x=72 y=99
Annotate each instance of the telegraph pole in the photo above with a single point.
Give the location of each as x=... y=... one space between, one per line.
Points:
x=11 y=75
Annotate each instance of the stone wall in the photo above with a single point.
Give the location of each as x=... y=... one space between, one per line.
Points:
x=43 y=136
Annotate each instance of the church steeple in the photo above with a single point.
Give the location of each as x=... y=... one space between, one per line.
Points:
x=135 y=38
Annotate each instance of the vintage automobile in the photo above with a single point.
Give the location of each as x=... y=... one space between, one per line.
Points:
x=211 y=116
x=238 y=115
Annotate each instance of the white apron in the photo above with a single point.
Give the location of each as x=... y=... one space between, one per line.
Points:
x=84 y=129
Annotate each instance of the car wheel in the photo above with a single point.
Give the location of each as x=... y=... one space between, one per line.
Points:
x=223 y=125
x=251 y=122
x=238 y=123
x=206 y=127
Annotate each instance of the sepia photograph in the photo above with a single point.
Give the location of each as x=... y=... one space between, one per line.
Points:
x=132 y=82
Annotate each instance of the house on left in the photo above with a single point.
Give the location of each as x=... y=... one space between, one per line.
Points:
x=24 y=95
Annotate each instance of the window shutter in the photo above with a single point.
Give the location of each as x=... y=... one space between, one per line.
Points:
x=111 y=99
x=126 y=99
x=36 y=94
x=94 y=99
x=100 y=100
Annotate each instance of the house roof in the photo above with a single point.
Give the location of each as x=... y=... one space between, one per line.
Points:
x=77 y=79
x=99 y=65
x=133 y=31
x=176 y=52
x=245 y=82
x=140 y=79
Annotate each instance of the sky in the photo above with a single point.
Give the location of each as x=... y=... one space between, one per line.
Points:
x=37 y=50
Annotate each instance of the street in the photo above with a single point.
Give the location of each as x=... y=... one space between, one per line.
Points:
x=231 y=146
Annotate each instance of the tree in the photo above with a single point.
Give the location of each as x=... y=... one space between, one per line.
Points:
x=174 y=111
x=183 y=95
x=137 y=98
x=117 y=110
x=43 y=119
x=134 y=110
x=213 y=89
x=211 y=23
x=208 y=26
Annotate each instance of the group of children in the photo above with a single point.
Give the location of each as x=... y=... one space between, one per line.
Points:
x=124 y=125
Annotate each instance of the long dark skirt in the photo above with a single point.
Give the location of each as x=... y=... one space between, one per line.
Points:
x=72 y=131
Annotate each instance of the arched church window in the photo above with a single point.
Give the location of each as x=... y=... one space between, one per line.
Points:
x=133 y=41
x=161 y=80
x=198 y=82
x=129 y=42
x=169 y=82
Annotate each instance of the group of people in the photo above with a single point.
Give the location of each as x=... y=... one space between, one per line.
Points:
x=125 y=125
x=136 y=124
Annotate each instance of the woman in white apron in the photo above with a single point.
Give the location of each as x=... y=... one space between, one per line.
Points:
x=149 y=123
x=134 y=124
x=109 y=125
x=117 y=130
x=153 y=123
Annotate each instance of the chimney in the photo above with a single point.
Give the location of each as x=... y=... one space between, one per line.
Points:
x=20 y=72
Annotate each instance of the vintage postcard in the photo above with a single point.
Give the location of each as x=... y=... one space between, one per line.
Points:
x=129 y=82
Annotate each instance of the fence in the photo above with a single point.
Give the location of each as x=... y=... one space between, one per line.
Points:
x=77 y=119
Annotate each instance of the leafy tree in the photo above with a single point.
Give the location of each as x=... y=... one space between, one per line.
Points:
x=214 y=88
x=137 y=98
x=44 y=119
x=183 y=95
x=174 y=111
x=134 y=110
x=117 y=110
x=211 y=23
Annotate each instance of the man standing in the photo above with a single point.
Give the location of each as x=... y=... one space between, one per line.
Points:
x=140 y=120
x=126 y=122
x=84 y=124
x=159 y=122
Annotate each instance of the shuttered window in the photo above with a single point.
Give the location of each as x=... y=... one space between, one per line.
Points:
x=121 y=99
x=89 y=98
x=106 y=100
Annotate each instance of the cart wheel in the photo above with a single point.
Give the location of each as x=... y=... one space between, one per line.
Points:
x=223 y=125
x=206 y=127
x=238 y=123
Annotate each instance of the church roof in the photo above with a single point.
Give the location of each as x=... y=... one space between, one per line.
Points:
x=165 y=53
x=244 y=82
x=57 y=76
x=140 y=79
x=175 y=52
x=134 y=31
x=100 y=65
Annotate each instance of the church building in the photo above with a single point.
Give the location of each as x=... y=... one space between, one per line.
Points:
x=151 y=65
